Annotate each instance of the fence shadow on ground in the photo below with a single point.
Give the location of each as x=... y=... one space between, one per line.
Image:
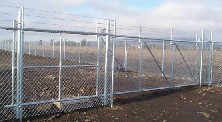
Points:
x=149 y=95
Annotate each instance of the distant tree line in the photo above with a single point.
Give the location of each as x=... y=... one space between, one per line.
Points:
x=68 y=43
x=7 y=40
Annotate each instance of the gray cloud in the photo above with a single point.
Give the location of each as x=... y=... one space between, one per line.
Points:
x=182 y=15
x=189 y=15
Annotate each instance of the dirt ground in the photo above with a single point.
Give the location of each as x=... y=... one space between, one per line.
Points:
x=178 y=105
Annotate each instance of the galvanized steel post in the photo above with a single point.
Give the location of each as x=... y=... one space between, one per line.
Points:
x=13 y=59
x=201 y=58
x=197 y=57
x=141 y=59
x=163 y=59
x=173 y=58
x=20 y=64
x=113 y=64
x=60 y=66
x=106 y=63
x=19 y=55
x=98 y=61
x=210 y=72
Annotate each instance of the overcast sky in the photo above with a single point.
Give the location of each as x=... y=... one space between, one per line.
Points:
x=183 y=15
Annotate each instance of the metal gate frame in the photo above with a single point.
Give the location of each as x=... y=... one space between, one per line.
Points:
x=18 y=104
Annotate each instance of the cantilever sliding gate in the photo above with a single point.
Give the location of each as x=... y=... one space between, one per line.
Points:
x=146 y=64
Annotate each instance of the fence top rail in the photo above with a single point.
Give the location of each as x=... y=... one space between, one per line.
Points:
x=55 y=31
x=96 y=33
x=154 y=40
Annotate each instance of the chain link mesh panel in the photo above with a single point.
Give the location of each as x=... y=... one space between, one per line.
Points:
x=156 y=64
x=186 y=66
x=126 y=65
x=217 y=64
x=152 y=64
x=206 y=68
x=39 y=50
x=7 y=85
x=62 y=77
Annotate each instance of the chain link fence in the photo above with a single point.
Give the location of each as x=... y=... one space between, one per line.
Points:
x=65 y=75
x=44 y=70
x=216 y=63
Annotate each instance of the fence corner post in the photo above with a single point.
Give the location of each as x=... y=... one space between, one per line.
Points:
x=20 y=47
x=106 y=63
x=201 y=58
x=113 y=64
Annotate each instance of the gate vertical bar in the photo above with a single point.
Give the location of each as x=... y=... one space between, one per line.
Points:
x=113 y=64
x=141 y=59
x=60 y=65
x=173 y=58
x=163 y=58
x=212 y=55
x=98 y=61
x=201 y=58
x=20 y=64
x=106 y=63
x=197 y=57
x=13 y=59
x=210 y=59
